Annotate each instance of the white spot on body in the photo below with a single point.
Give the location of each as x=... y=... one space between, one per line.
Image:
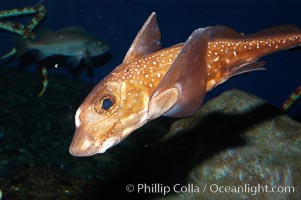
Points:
x=212 y=82
x=216 y=59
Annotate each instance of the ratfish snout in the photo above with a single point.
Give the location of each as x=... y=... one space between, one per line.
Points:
x=86 y=144
x=83 y=144
x=93 y=137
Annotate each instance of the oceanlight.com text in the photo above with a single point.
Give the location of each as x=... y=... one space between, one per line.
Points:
x=251 y=189
x=158 y=188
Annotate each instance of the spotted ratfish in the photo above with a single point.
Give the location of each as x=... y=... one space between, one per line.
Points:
x=73 y=42
x=151 y=81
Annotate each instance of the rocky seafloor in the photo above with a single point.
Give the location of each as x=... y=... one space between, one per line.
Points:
x=236 y=139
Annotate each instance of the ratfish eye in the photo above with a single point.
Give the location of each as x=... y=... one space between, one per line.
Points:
x=107 y=103
x=104 y=104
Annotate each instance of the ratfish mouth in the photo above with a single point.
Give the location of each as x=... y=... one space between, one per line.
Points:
x=87 y=144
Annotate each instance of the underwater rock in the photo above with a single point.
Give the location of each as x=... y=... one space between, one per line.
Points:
x=243 y=147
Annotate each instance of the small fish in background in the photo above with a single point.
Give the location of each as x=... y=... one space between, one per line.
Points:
x=73 y=42
x=151 y=81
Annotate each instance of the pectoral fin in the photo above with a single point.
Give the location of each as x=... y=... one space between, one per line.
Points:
x=74 y=61
x=162 y=102
x=184 y=84
x=88 y=61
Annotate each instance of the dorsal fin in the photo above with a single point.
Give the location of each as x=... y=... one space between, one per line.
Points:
x=287 y=29
x=71 y=29
x=181 y=91
x=229 y=33
x=146 y=41
x=224 y=32
x=44 y=34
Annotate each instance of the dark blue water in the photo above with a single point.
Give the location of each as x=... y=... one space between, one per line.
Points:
x=118 y=21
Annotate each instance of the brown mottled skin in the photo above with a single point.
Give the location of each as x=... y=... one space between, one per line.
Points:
x=173 y=81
